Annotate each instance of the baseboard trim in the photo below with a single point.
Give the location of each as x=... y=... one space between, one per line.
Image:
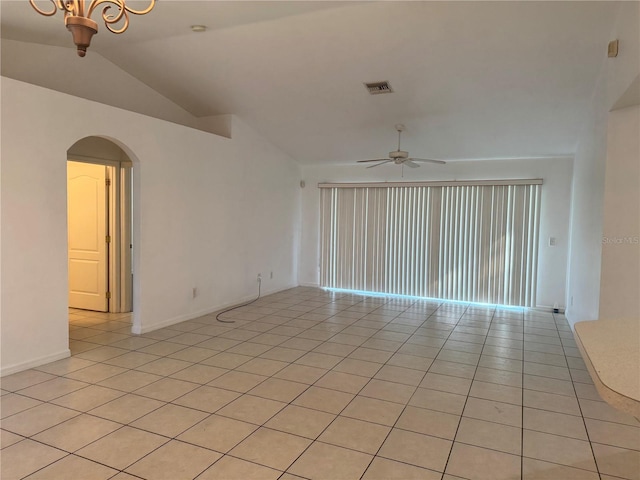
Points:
x=191 y=315
x=306 y=284
x=36 y=362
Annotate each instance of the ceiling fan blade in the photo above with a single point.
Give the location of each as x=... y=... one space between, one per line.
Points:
x=381 y=163
x=411 y=164
x=427 y=160
x=375 y=160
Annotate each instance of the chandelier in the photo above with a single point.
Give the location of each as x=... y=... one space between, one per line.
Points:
x=77 y=17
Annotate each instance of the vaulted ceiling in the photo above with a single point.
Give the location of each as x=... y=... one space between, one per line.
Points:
x=471 y=80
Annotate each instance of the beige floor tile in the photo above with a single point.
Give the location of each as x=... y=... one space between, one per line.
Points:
x=301 y=373
x=333 y=348
x=301 y=421
x=193 y=354
x=283 y=354
x=343 y=382
x=499 y=393
x=174 y=460
x=122 y=447
x=322 y=461
x=218 y=433
x=371 y=355
x=251 y=349
x=588 y=392
x=77 y=432
x=271 y=448
x=490 y=435
x=164 y=366
x=319 y=360
x=390 y=391
x=410 y=361
x=12 y=403
x=437 y=400
x=23 y=458
x=163 y=348
x=131 y=359
x=64 y=366
x=37 y=419
x=499 y=363
x=7 y=438
x=199 y=373
x=416 y=449
x=208 y=399
x=467 y=461
x=384 y=469
x=166 y=389
x=88 y=398
x=262 y=366
x=618 y=462
x=72 y=467
x=130 y=380
x=238 y=381
x=459 y=357
x=428 y=422
x=278 y=389
x=252 y=409
x=226 y=360
x=551 y=402
x=230 y=468
x=323 y=399
x=25 y=379
x=500 y=377
x=53 y=388
x=491 y=411
x=453 y=369
x=406 y=376
x=551 y=371
x=357 y=367
x=556 y=449
x=446 y=383
x=614 y=434
x=548 y=385
x=599 y=410
x=355 y=434
x=539 y=470
x=555 y=423
x=169 y=420
x=126 y=408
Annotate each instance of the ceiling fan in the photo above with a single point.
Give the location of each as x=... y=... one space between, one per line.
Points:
x=400 y=157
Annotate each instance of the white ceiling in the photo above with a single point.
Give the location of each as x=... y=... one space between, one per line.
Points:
x=471 y=80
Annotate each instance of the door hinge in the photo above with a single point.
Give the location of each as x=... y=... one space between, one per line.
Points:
x=108 y=294
x=107 y=239
x=108 y=182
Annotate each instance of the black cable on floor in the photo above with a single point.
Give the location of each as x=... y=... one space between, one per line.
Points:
x=238 y=306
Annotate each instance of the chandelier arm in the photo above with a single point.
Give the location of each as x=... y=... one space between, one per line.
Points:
x=44 y=12
x=69 y=7
x=121 y=5
x=113 y=19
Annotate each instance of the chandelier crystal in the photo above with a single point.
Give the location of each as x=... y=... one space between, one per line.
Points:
x=77 y=17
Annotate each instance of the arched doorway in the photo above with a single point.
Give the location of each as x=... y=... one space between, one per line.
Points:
x=99 y=214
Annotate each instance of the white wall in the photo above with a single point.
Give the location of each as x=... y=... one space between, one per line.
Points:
x=585 y=250
x=209 y=212
x=554 y=216
x=620 y=275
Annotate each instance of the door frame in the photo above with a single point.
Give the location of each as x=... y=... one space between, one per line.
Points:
x=119 y=223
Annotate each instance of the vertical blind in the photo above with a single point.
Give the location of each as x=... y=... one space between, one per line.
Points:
x=475 y=242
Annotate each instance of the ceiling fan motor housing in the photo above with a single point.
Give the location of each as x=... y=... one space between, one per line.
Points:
x=398 y=154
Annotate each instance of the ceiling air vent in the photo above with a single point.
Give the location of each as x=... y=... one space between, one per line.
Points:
x=377 y=88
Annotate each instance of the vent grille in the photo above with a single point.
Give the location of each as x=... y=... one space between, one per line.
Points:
x=377 y=88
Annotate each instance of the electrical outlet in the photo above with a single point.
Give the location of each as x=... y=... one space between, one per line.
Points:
x=259 y=277
x=194 y=292
x=271 y=276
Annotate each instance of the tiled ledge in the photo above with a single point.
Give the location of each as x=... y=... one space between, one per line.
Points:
x=611 y=350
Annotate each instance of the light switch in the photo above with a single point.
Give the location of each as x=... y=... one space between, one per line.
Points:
x=552 y=241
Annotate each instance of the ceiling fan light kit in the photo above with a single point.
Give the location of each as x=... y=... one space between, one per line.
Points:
x=77 y=18
x=401 y=157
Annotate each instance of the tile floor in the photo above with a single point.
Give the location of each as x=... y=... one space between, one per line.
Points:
x=312 y=384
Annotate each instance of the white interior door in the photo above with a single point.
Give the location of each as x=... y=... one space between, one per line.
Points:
x=87 y=236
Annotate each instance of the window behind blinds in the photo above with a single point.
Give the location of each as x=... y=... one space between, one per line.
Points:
x=473 y=242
